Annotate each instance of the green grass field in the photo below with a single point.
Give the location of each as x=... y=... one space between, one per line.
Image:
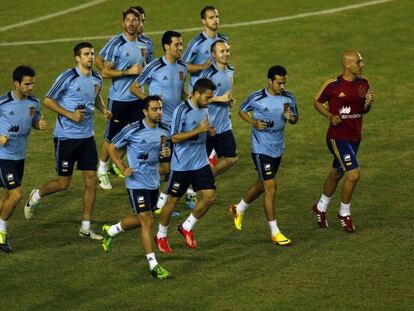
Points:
x=52 y=269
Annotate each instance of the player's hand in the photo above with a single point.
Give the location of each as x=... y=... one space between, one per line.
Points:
x=42 y=123
x=211 y=131
x=135 y=69
x=185 y=95
x=3 y=140
x=288 y=115
x=336 y=120
x=78 y=115
x=369 y=97
x=203 y=126
x=260 y=125
x=128 y=171
x=107 y=114
x=226 y=97
x=165 y=152
x=206 y=65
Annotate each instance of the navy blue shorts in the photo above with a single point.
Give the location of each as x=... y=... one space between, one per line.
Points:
x=11 y=173
x=143 y=200
x=344 y=154
x=224 y=144
x=123 y=113
x=201 y=179
x=266 y=166
x=82 y=151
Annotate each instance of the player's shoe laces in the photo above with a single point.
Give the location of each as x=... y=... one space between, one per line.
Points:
x=30 y=205
x=4 y=243
x=320 y=217
x=160 y=273
x=191 y=202
x=107 y=239
x=238 y=218
x=162 y=244
x=104 y=182
x=346 y=223
x=114 y=170
x=188 y=237
x=281 y=240
x=89 y=234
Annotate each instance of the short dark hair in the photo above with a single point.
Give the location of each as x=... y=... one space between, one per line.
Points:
x=167 y=37
x=205 y=9
x=22 y=71
x=78 y=47
x=214 y=44
x=131 y=10
x=149 y=99
x=276 y=70
x=140 y=9
x=202 y=85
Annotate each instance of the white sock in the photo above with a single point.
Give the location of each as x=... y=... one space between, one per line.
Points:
x=212 y=154
x=103 y=167
x=115 y=229
x=323 y=203
x=190 y=192
x=162 y=199
x=189 y=223
x=274 y=229
x=86 y=225
x=152 y=261
x=36 y=195
x=3 y=225
x=162 y=231
x=345 y=209
x=241 y=207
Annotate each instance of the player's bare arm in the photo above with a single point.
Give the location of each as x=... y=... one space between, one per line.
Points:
x=76 y=116
x=334 y=119
x=135 y=89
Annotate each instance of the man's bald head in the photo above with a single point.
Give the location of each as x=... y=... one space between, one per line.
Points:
x=352 y=62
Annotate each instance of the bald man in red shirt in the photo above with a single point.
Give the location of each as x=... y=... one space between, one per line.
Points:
x=343 y=100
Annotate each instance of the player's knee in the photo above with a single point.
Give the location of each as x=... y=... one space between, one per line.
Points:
x=91 y=182
x=16 y=194
x=336 y=175
x=210 y=199
x=353 y=175
x=63 y=183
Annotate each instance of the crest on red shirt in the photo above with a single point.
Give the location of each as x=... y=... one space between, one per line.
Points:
x=32 y=111
x=182 y=75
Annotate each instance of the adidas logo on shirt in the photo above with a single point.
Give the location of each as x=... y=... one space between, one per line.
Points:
x=266 y=109
x=342 y=94
x=219 y=84
x=165 y=78
x=11 y=113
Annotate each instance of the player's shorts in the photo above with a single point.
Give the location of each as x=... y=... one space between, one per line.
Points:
x=143 y=200
x=266 y=166
x=344 y=153
x=11 y=173
x=82 y=151
x=201 y=179
x=123 y=113
x=224 y=144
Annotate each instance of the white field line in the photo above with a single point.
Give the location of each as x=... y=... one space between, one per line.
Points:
x=257 y=22
x=48 y=16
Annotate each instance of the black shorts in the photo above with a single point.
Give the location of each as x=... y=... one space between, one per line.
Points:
x=266 y=166
x=201 y=179
x=11 y=173
x=68 y=151
x=123 y=113
x=224 y=144
x=142 y=200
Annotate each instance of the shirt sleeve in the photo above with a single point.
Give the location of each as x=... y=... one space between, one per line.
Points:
x=121 y=139
x=323 y=94
x=248 y=105
x=60 y=85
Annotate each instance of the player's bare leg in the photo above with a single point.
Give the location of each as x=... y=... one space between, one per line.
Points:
x=59 y=184
x=223 y=164
x=351 y=179
x=167 y=210
x=10 y=202
x=207 y=199
x=90 y=180
x=331 y=182
x=146 y=222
